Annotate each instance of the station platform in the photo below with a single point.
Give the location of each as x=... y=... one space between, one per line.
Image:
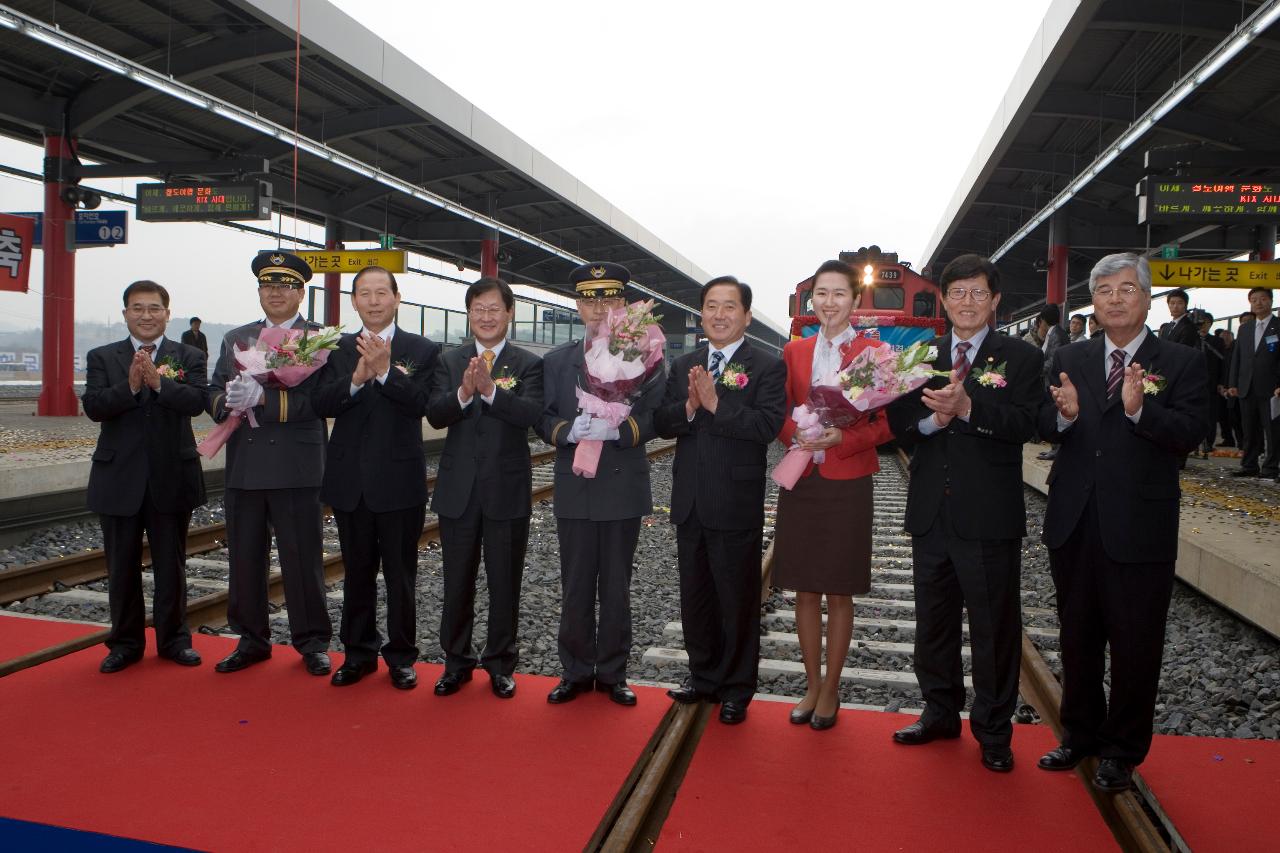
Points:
x=275 y=759
x=40 y=455
x=1228 y=536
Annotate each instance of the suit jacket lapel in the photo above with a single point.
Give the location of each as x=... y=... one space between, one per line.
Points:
x=741 y=357
x=990 y=349
x=1096 y=370
x=943 y=361
x=1148 y=354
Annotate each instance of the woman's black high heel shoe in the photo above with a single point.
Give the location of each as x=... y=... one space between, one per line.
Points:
x=799 y=718
x=818 y=723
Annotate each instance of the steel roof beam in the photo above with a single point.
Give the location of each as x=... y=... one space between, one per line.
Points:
x=1122 y=111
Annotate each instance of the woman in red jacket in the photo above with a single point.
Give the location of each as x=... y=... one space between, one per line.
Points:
x=822 y=542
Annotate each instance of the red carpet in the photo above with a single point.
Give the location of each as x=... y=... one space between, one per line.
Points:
x=769 y=785
x=1221 y=794
x=274 y=759
x=21 y=635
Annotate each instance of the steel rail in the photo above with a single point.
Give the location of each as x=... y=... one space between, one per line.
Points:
x=39 y=578
x=211 y=610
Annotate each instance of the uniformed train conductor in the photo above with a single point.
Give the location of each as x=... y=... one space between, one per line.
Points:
x=598 y=519
x=273 y=479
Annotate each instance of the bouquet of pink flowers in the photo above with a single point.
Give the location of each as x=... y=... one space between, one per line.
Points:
x=620 y=357
x=279 y=358
x=868 y=380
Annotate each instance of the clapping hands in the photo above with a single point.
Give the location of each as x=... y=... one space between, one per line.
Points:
x=948 y=402
x=1066 y=398
x=702 y=392
x=375 y=358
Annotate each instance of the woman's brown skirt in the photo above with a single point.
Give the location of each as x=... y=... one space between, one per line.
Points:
x=822 y=541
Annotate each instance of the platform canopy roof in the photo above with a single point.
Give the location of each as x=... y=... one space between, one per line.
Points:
x=385 y=146
x=1109 y=92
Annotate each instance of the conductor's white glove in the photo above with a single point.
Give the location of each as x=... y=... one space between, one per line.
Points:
x=581 y=424
x=243 y=393
x=599 y=430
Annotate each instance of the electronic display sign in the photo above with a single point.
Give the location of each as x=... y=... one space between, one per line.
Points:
x=1179 y=199
x=203 y=202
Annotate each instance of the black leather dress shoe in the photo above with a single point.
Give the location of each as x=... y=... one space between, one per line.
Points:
x=451 y=682
x=567 y=691
x=1060 y=758
x=116 y=661
x=317 y=663
x=918 y=733
x=503 y=686
x=1243 y=473
x=997 y=758
x=403 y=677
x=239 y=660
x=350 y=673
x=1113 y=776
x=686 y=695
x=620 y=692
x=732 y=712
x=184 y=657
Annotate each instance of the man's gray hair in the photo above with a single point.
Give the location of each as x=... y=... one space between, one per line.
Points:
x=1119 y=262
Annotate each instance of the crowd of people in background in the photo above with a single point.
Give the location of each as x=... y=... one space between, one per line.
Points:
x=1121 y=404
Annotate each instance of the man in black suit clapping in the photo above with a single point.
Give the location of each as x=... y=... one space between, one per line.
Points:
x=725 y=403
x=146 y=473
x=1125 y=408
x=966 y=515
x=375 y=386
x=488 y=392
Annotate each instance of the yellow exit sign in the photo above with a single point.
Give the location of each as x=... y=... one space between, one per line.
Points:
x=352 y=262
x=1214 y=273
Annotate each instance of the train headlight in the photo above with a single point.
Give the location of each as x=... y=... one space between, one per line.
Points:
x=868 y=275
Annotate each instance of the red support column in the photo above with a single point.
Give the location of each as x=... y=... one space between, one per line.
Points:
x=489 y=257
x=1056 y=282
x=57 y=392
x=332 y=280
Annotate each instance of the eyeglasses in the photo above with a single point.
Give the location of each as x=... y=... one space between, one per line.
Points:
x=1126 y=290
x=603 y=301
x=277 y=287
x=957 y=294
x=147 y=310
x=477 y=311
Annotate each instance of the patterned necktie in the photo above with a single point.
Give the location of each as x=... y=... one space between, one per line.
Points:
x=1116 y=376
x=716 y=358
x=148 y=349
x=488 y=357
x=961 y=366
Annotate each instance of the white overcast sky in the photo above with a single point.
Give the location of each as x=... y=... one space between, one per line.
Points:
x=755 y=139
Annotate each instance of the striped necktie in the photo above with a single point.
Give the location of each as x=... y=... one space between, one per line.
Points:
x=1116 y=376
x=148 y=349
x=962 y=365
x=716 y=358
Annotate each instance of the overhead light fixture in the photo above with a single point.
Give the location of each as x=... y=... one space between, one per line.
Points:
x=1266 y=20
x=8 y=21
x=1134 y=134
x=57 y=40
x=1228 y=54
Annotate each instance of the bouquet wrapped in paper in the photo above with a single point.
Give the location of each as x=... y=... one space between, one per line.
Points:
x=869 y=378
x=279 y=358
x=620 y=357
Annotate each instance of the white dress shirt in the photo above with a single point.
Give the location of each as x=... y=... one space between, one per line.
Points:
x=826 y=354
x=480 y=349
x=386 y=334
x=288 y=324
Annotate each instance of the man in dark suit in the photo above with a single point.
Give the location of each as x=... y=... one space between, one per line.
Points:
x=1181 y=328
x=1111 y=526
x=273 y=479
x=193 y=337
x=1253 y=379
x=146 y=473
x=724 y=403
x=375 y=386
x=966 y=515
x=489 y=394
x=597 y=518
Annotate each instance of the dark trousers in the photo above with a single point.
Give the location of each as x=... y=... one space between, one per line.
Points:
x=122 y=541
x=504 y=542
x=720 y=607
x=1215 y=414
x=595 y=562
x=293 y=515
x=1101 y=601
x=1229 y=422
x=1259 y=431
x=389 y=539
x=952 y=574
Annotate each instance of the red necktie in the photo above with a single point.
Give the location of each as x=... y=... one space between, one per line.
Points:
x=961 y=367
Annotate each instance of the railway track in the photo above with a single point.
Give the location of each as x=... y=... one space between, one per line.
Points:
x=635 y=818
x=206 y=611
